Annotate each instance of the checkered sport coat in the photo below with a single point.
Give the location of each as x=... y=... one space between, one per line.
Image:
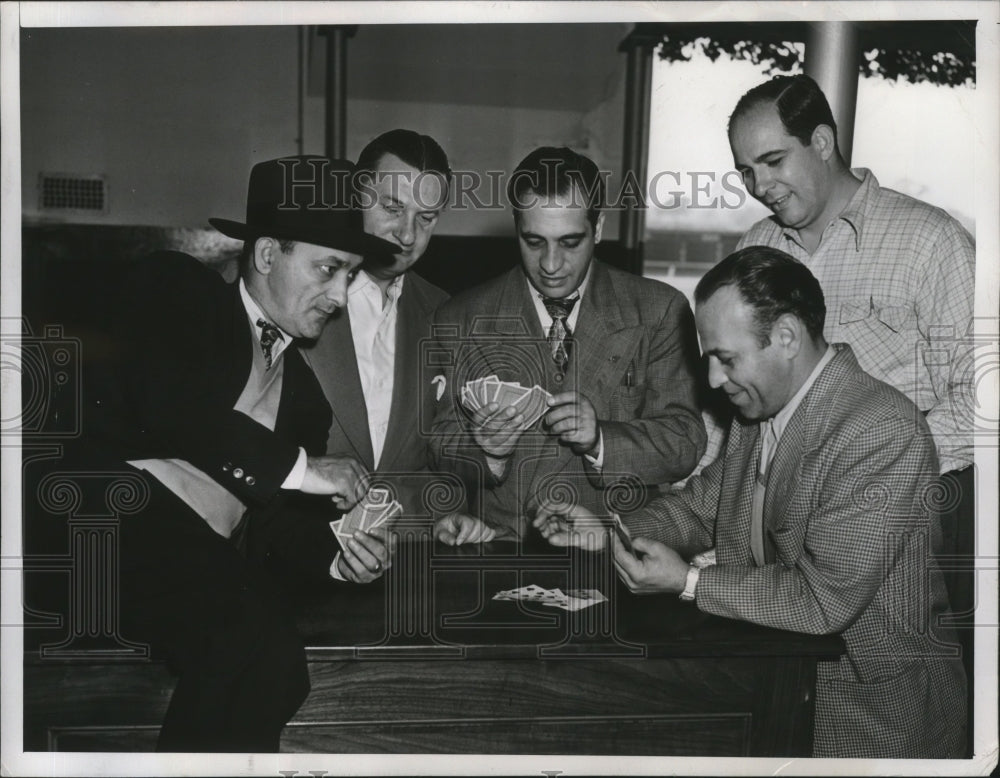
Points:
x=634 y=356
x=849 y=523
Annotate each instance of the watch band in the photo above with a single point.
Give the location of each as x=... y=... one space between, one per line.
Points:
x=690 y=583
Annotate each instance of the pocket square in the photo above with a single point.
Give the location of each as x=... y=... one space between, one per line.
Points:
x=439 y=383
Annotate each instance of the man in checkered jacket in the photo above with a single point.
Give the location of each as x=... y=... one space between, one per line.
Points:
x=817 y=518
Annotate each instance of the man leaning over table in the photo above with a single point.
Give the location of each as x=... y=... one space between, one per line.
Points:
x=817 y=518
x=225 y=423
x=898 y=274
x=617 y=352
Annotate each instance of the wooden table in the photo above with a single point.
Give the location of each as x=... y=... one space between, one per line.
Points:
x=425 y=661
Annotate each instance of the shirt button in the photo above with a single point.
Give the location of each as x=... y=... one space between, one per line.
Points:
x=238 y=472
x=227 y=467
x=559 y=378
x=250 y=480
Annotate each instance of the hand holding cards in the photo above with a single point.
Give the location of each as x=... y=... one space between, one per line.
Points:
x=529 y=403
x=373 y=511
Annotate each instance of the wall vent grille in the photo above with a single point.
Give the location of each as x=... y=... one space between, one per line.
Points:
x=63 y=191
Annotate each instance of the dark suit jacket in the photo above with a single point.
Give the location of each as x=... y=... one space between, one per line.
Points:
x=403 y=463
x=634 y=356
x=191 y=354
x=849 y=526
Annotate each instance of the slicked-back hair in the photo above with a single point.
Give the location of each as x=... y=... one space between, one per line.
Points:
x=550 y=171
x=418 y=151
x=771 y=282
x=801 y=105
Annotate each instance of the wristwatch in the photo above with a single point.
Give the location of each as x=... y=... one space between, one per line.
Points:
x=690 y=582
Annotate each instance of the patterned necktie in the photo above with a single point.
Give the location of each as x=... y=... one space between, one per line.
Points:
x=559 y=310
x=269 y=335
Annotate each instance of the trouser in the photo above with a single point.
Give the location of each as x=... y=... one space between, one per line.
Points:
x=215 y=617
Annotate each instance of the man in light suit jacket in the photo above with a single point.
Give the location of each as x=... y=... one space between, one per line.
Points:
x=367 y=358
x=818 y=518
x=220 y=422
x=617 y=352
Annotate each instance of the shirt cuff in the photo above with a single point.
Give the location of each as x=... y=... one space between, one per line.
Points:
x=335 y=571
x=298 y=473
x=597 y=461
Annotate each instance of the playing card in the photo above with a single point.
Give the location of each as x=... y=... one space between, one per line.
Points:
x=386 y=514
x=577 y=599
x=622 y=532
x=533 y=406
x=510 y=392
x=469 y=399
x=489 y=388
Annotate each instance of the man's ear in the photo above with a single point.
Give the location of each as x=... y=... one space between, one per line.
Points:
x=824 y=141
x=265 y=252
x=789 y=331
x=599 y=227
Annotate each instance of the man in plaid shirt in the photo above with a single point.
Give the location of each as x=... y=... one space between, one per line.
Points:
x=816 y=518
x=898 y=275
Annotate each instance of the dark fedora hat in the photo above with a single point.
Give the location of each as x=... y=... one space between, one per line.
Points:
x=305 y=198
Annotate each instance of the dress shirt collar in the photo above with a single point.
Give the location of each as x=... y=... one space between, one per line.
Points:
x=255 y=312
x=854 y=211
x=782 y=417
x=543 y=315
x=365 y=284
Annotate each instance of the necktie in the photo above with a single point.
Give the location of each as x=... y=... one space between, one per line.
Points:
x=269 y=335
x=559 y=310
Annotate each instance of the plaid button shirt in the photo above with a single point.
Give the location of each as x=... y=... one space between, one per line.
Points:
x=898 y=276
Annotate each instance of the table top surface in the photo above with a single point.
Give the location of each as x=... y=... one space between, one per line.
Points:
x=437 y=600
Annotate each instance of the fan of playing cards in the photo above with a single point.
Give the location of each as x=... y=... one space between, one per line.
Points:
x=375 y=509
x=530 y=403
x=570 y=600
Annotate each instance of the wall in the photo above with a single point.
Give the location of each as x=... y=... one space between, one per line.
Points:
x=175 y=117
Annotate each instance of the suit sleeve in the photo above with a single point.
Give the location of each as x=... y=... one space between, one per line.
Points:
x=684 y=520
x=867 y=507
x=187 y=379
x=665 y=436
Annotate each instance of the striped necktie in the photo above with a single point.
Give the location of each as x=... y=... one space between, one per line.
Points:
x=269 y=335
x=559 y=310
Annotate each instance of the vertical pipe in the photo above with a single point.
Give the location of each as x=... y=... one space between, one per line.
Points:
x=336 y=92
x=635 y=155
x=832 y=60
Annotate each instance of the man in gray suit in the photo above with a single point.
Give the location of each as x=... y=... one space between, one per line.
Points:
x=367 y=358
x=617 y=352
x=817 y=518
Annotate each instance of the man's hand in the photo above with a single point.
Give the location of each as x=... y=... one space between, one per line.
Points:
x=565 y=524
x=654 y=569
x=458 y=528
x=573 y=420
x=365 y=557
x=342 y=477
x=495 y=430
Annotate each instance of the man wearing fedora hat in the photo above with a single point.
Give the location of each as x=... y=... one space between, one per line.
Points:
x=227 y=425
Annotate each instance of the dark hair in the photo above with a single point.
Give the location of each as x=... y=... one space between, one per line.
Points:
x=418 y=151
x=801 y=105
x=773 y=283
x=550 y=171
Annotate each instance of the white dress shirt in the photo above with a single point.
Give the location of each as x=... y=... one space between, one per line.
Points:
x=373 y=328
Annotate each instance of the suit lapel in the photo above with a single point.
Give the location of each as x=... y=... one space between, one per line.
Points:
x=335 y=364
x=603 y=343
x=736 y=499
x=805 y=431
